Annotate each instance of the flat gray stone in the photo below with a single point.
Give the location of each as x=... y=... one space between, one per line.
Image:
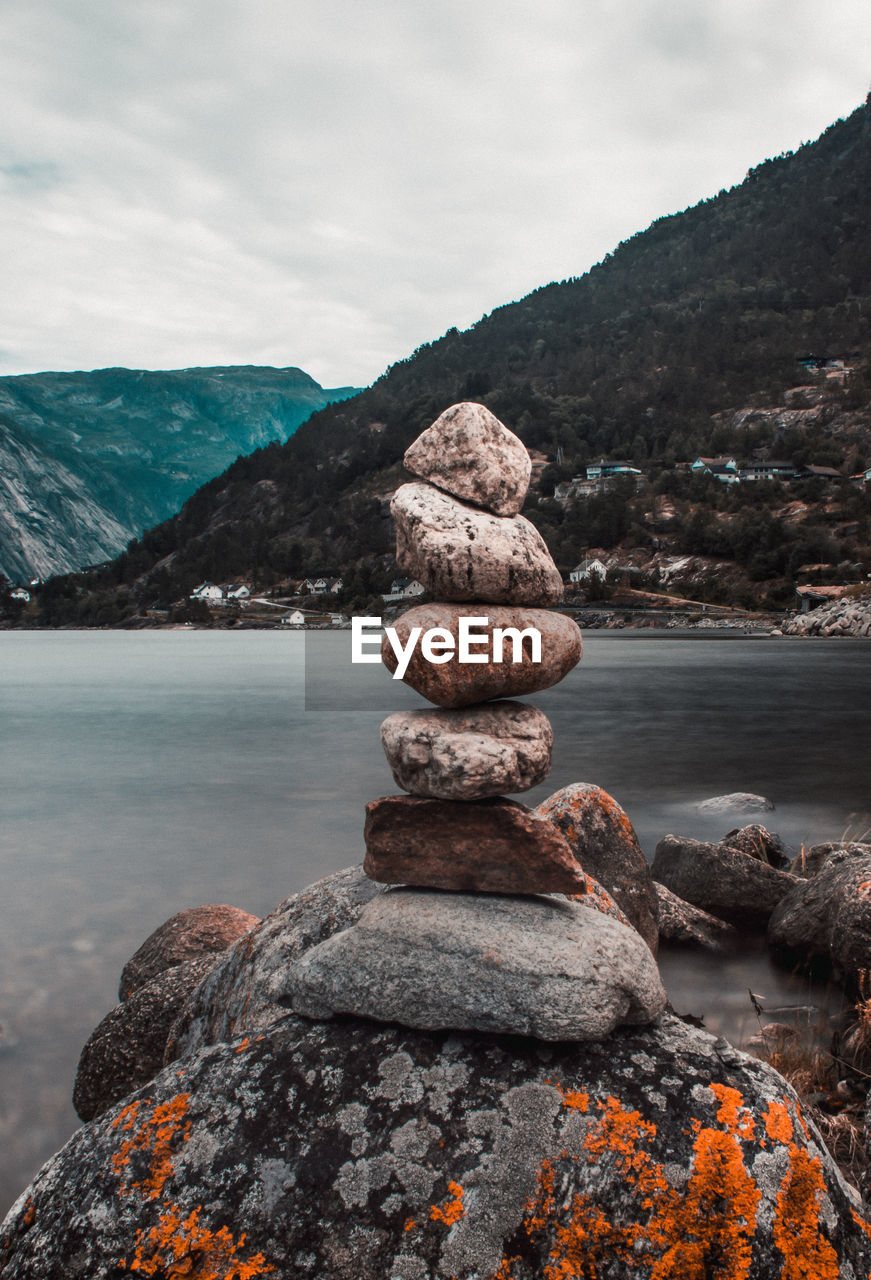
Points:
x=469 y=453
x=470 y=753
x=535 y=966
x=736 y=802
x=680 y=922
x=459 y=552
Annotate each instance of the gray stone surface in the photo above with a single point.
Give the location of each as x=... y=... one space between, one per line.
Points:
x=807 y=862
x=604 y=842
x=188 y=934
x=736 y=802
x=830 y=914
x=531 y=966
x=459 y=552
x=726 y=882
x=127 y=1048
x=460 y=684
x=247 y=989
x=357 y=1151
x=470 y=454
x=469 y=753
x=681 y=922
x=759 y=842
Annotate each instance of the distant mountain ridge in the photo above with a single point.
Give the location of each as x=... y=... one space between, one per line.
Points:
x=88 y=460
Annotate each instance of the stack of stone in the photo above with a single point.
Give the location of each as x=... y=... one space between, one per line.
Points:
x=470 y=941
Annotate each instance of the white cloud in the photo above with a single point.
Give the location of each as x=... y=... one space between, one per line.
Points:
x=329 y=184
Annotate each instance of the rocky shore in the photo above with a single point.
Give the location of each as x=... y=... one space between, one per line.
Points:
x=457 y=1061
x=849 y=616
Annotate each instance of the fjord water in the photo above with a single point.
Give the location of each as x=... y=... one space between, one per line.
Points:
x=145 y=772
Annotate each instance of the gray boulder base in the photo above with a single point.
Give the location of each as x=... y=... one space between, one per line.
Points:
x=726 y=882
x=459 y=552
x=460 y=684
x=357 y=1151
x=603 y=840
x=682 y=923
x=126 y=1050
x=187 y=935
x=470 y=454
x=830 y=914
x=532 y=966
x=468 y=754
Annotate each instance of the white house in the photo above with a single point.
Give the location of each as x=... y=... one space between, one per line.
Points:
x=238 y=591
x=403 y=589
x=20 y=594
x=586 y=569
x=315 y=586
x=295 y=618
x=207 y=591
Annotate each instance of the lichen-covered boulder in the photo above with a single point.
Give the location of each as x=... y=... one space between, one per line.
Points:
x=723 y=881
x=350 y=1151
x=682 y=923
x=187 y=935
x=603 y=840
x=830 y=914
x=128 y=1046
x=249 y=990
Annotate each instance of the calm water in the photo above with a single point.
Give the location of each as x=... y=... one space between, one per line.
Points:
x=147 y=772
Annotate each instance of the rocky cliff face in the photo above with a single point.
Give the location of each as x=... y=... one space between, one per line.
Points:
x=89 y=460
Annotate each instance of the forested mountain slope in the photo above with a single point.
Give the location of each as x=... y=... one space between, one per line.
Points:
x=663 y=351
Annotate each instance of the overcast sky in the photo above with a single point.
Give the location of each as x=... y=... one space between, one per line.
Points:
x=330 y=183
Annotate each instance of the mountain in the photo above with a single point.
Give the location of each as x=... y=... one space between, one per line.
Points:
x=89 y=460
x=694 y=337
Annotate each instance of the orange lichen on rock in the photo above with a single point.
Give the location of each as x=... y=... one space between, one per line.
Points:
x=178 y=1246
x=166 y=1126
x=703 y=1230
x=452 y=1209
x=732 y=1113
x=807 y=1254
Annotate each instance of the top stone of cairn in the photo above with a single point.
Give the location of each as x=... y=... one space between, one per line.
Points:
x=472 y=456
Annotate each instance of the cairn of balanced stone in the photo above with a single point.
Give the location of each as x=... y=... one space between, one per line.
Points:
x=469 y=940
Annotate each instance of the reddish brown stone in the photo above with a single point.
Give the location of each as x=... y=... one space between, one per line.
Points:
x=602 y=838
x=494 y=846
x=195 y=932
x=473 y=456
x=459 y=684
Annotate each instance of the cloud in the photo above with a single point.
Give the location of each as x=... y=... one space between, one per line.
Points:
x=330 y=184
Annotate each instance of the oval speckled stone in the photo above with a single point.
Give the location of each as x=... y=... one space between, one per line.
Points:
x=468 y=753
x=470 y=454
x=460 y=684
x=459 y=552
